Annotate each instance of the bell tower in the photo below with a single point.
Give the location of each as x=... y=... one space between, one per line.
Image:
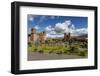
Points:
x=33 y=33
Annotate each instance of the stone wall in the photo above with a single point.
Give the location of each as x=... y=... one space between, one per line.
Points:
x=34 y=36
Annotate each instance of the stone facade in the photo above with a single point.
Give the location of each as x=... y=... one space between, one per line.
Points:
x=34 y=37
x=67 y=36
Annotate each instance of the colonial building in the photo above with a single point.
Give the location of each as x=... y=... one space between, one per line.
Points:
x=34 y=36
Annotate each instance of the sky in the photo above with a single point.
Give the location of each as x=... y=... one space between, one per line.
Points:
x=56 y=26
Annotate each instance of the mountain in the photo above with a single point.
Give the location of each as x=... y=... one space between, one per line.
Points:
x=83 y=36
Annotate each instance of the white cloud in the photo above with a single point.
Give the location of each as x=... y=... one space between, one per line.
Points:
x=67 y=22
x=55 y=35
x=60 y=28
x=31 y=18
x=48 y=28
x=72 y=27
x=36 y=27
x=63 y=27
x=82 y=31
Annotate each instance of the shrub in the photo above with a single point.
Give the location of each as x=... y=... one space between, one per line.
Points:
x=51 y=51
x=82 y=53
x=65 y=51
x=35 y=50
x=40 y=51
x=59 y=52
x=29 y=44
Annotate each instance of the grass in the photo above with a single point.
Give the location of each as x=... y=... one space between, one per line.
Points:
x=45 y=48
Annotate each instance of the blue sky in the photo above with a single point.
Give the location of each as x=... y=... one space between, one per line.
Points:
x=58 y=24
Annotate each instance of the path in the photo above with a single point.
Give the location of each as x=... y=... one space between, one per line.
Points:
x=45 y=56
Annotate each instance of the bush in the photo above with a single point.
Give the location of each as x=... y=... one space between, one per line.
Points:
x=29 y=44
x=58 y=52
x=82 y=53
x=35 y=50
x=40 y=51
x=57 y=49
x=51 y=51
x=65 y=51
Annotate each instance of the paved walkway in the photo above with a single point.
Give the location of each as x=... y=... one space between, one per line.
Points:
x=45 y=56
